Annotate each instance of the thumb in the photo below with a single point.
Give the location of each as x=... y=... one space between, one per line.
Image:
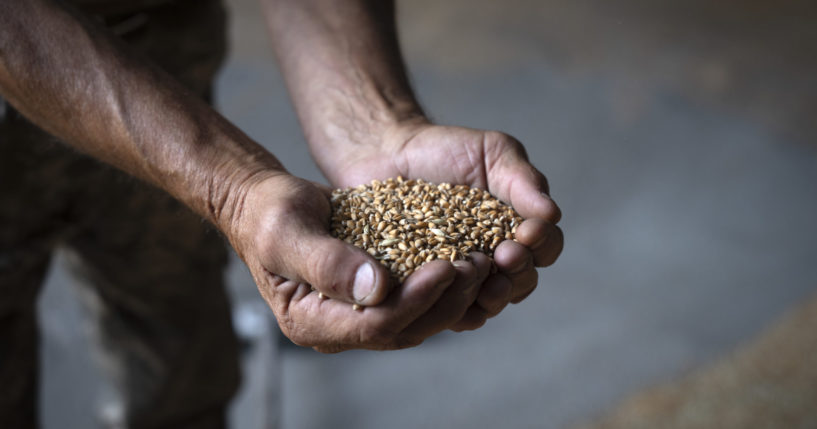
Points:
x=339 y=270
x=514 y=180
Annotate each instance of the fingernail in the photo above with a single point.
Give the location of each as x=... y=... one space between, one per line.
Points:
x=364 y=282
x=463 y=264
x=460 y=264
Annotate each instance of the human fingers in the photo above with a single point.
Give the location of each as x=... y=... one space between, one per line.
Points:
x=334 y=268
x=332 y=326
x=283 y=237
x=474 y=318
x=493 y=296
x=515 y=261
x=513 y=179
x=457 y=299
x=287 y=224
x=544 y=239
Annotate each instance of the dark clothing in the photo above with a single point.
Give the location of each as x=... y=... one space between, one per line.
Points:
x=154 y=270
x=118 y=7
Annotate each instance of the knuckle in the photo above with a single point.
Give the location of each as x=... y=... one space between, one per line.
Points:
x=499 y=137
x=473 y=319
x=556 y=214
x=507 y=142
x=473 y=325
x=495 y=136
x=548 y=256
x=526 y=288
x=540 y=179
x=532 y=281
x=492 y=308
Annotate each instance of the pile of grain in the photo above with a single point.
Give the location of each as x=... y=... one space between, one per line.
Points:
x=406 y=223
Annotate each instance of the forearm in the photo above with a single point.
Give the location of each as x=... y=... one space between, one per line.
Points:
x=343 y=68
x=77 y=82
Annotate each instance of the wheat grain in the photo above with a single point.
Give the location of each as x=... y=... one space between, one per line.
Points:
x=406 y=223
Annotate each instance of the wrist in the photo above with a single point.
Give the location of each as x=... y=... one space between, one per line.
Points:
x=366 y=119
x=344 y=70
x=344 y=140
x=229 y=192
x=219 y=164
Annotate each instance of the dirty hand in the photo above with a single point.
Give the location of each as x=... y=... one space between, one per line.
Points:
x=486 y=159
x=280 y=228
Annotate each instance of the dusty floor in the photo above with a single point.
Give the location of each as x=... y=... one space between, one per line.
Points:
x=678 y=138
x=770 y=383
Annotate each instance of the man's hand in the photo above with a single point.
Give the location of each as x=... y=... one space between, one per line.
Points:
x=485 y=159
x=344 y=71
x=280 y=229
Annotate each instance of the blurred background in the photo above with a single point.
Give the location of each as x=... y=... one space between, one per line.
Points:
x=680 y=141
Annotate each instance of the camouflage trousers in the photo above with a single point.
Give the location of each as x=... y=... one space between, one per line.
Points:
x=152 y=267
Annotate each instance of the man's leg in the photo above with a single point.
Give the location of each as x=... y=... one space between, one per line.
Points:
x=21 y=274
x=159 y=299
x=157 y=269
x=31 y=222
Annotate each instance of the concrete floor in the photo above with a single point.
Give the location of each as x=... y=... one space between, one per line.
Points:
x=769 y=383
x=678 y=138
